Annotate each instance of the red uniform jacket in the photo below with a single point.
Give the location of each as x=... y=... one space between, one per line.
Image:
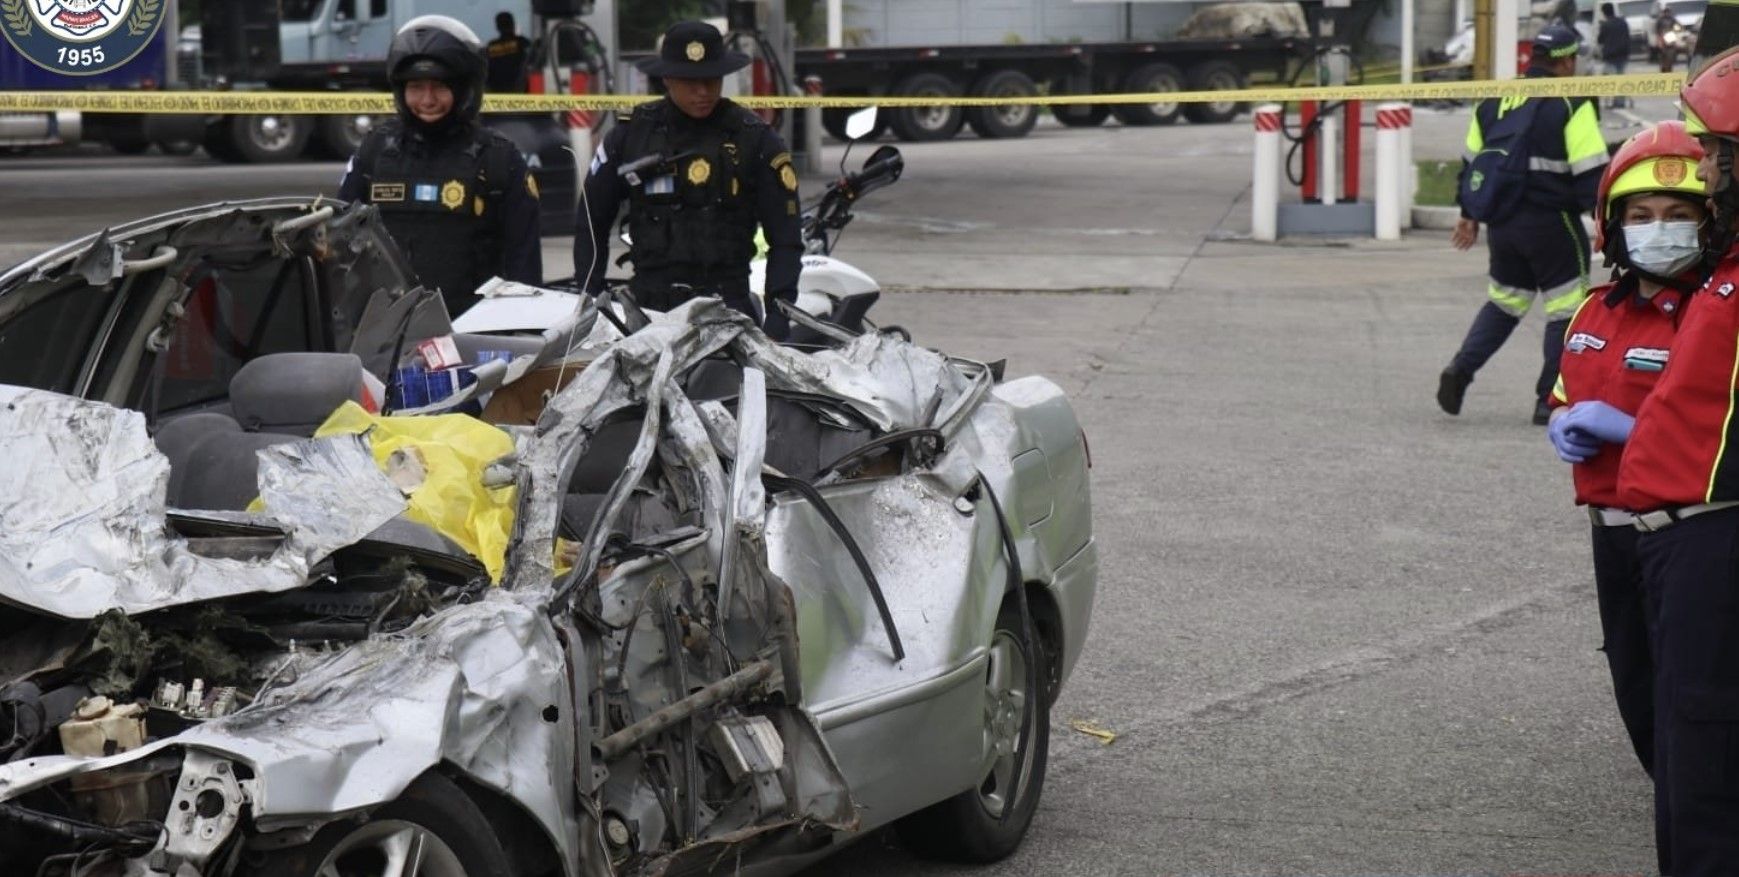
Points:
x=1681 y=451
x=1614 y=351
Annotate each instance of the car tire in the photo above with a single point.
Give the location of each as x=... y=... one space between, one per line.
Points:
x=1215 y=76
x=1081 y=115
x=969 y=826
x=267 y=139
x=924 y=124
x=1150 y=78
x=433 y=814
x=1004 y=122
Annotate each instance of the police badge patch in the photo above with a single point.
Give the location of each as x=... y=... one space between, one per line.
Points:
x=699 y=171
x=453 y=195
x=80 y=37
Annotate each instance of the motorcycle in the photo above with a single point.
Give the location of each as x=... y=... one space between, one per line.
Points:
x=829 y=289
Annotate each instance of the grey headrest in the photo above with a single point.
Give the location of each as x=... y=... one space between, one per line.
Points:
x=293 y=392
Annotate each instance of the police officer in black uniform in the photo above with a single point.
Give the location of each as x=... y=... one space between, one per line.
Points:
x=456 y=196
x=699 y=173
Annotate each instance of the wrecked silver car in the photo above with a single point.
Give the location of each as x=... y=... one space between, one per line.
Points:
x=748 y=602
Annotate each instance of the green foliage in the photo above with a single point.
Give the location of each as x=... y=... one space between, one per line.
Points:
x=1437 y=182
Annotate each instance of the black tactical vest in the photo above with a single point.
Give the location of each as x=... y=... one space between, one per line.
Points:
x=693 y=221
x=442 y=205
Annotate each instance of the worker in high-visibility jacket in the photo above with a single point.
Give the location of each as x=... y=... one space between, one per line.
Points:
x=1531 y=168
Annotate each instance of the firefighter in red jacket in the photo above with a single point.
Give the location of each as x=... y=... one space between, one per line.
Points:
x=1647 y=222
x=1680 y=474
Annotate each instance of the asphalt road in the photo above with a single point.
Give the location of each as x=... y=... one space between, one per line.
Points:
x=1338 y=632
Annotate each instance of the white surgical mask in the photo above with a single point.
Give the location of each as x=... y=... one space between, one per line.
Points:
x=1663 y=248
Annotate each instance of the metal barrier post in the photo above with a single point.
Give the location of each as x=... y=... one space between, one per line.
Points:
x=1265 y=175
x=1353 y=118
x=1328 y=185
x=1409 y=171
x=1390 y=197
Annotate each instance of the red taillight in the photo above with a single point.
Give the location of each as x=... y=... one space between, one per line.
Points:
x=1087 y=449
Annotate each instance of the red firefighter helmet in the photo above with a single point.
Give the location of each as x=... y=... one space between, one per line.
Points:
x=1662 y=158
x=1711 y=98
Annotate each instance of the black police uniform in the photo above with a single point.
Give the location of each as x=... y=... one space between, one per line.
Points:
x=463 y=207
x=697 y=190
x=509 y=67
x=456 y=196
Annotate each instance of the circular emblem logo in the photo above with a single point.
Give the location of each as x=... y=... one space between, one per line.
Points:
x=1670 y=171
x=453 y=195
x=695 y=51
x=80 y=37
x=699 y=171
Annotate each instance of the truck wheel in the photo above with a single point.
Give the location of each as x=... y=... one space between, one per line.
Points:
x=1012 y=121
x=1215 y=76
x=1081 y=115
x=340 y=136
x=265 y=139
x=177 y=147
x=1145 y=79
x=130 y=145
x=921 y=124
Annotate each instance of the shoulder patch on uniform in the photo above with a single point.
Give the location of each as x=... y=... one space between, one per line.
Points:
x=531 y=186
x=780 y=160
x=788 y=176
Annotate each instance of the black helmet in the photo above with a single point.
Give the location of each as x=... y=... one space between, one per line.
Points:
x=442 y=48
x=1554 y=42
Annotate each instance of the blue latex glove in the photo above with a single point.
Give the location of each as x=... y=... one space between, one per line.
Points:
x=1601 y=421
x=1573 y=445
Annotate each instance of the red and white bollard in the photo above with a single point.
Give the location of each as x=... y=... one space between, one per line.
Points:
x=1392 y=190
x=1265 y=175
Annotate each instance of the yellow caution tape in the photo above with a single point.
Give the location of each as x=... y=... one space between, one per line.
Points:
x=296 y=103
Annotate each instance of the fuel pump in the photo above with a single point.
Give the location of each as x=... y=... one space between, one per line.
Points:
x=1328 y=138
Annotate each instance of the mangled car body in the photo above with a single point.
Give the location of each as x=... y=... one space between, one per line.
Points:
x=751 y=601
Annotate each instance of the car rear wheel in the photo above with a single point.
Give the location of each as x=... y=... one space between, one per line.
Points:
x=432 y=830
x=986 y=823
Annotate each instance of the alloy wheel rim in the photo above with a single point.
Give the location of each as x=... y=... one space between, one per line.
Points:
x=391 y=848
x=1005 y=710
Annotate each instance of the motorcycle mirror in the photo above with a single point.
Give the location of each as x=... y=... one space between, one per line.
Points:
x=858 y=125
x=881 y=152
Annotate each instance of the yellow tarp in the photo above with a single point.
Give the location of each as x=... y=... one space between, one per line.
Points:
x=453 y=450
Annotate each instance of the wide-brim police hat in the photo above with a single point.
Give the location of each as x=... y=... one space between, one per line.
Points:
x=693 y=50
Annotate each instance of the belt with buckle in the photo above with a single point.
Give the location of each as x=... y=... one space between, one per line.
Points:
x=1655 y=521
x=1604 y=517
